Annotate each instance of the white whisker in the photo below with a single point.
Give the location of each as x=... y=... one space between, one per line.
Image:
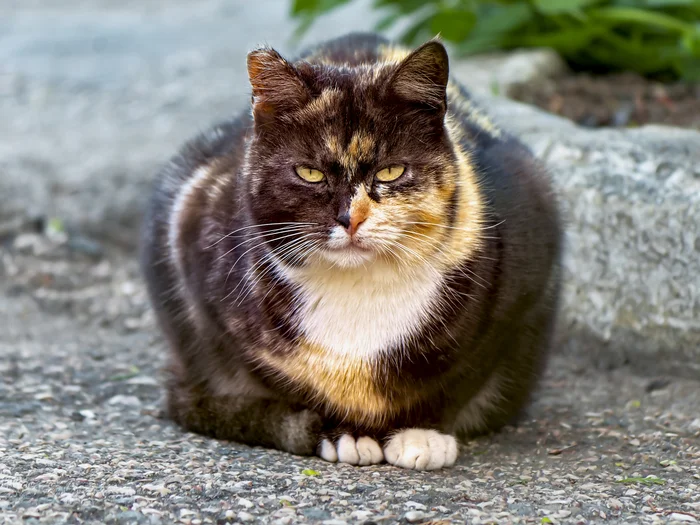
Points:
x=286 y=248
x=261 y=235
x=286 y=236
x=259 y=226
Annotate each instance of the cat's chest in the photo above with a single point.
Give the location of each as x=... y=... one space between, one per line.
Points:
x=362 y=314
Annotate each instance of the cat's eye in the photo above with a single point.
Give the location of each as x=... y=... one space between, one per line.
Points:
x=389 y=174
x=310 y=174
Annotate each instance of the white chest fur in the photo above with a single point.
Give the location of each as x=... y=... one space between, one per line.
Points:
x=365 y=311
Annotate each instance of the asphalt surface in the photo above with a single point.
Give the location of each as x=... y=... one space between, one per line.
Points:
x=81 y=439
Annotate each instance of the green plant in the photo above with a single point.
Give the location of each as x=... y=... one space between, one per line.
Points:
x=650 y=37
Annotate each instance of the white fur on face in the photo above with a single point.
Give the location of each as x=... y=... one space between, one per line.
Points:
x=342 y=252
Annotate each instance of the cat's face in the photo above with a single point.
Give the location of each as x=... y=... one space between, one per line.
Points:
x=351 y=165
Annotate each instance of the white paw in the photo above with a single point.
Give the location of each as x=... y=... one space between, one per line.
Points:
x=363 y=451
x=421 y=449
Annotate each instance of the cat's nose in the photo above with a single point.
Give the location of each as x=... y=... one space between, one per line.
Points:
x=344 y=220
x=350 y=222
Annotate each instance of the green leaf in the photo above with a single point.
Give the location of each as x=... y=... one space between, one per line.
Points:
x=656 y=3
x=453 y=24
x=403 y=6
x=133 y=372
x=301 y=6
x=691 y=43
x=413 y=34
x=309 y=472
x=503 y=18
x=561 y=6
x=315 y=7
x=545 y=520
x=55 y=225
x=650 y=480
x=568 y=41
x=640 y=16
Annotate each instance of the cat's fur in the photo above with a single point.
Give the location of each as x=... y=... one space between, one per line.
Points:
x=283 y=336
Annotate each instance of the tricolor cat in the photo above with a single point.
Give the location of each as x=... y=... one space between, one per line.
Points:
x=360 y=265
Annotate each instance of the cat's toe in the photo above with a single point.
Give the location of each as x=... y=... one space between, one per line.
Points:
x=347 y=450
x=369 y=450
x=327 y=452
x=421 y=449
x=363 y=451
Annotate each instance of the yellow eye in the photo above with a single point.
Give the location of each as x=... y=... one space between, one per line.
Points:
x=390 y=173
x=310 y=174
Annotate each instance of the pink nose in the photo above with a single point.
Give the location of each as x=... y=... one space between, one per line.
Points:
x=350 y=221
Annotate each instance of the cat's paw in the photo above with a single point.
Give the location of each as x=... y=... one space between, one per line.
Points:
x=421 y=449
x=300 y=430
x=347 y=449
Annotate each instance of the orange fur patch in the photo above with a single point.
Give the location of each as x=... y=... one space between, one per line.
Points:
x=344 y=383
x=360 y=206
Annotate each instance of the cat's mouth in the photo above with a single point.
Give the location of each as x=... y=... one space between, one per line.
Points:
x=348 y=254
x=350 y=247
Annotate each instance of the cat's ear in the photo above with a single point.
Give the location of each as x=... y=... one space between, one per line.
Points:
x=422 y=76
x=277 y=86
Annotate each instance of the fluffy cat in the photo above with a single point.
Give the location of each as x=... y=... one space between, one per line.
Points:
x=361 y=265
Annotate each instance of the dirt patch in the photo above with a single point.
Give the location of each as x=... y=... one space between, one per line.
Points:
x=616 y=100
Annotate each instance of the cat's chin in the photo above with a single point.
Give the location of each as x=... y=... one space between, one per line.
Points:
x=348 y=257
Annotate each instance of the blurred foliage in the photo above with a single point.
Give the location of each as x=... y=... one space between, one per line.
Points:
x=656 y=38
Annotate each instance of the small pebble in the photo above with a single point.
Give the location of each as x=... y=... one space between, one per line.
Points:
x=414 y=516
x=131 y=401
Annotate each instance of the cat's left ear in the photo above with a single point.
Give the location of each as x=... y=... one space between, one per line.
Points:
x=422 y=76
x=277 y=86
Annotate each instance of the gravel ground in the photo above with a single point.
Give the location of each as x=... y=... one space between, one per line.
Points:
x=81 y=440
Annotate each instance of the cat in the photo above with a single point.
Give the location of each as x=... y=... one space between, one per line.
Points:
x=360 y=266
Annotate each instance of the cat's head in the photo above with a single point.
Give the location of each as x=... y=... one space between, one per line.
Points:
x=349 y=165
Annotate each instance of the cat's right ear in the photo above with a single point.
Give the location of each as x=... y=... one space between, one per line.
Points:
x=277 y=86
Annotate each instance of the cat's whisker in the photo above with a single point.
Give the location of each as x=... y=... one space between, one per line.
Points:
x=298 y=252
x=289 y=248
x=412 y=253
x=307 y=251
x=260 y=225
x=249 y=273
x=388 y=248
x=484 y=284
x=478 y=229
x=286 y=236
x=315 y=244
x=473 y=277
x=263 y=235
